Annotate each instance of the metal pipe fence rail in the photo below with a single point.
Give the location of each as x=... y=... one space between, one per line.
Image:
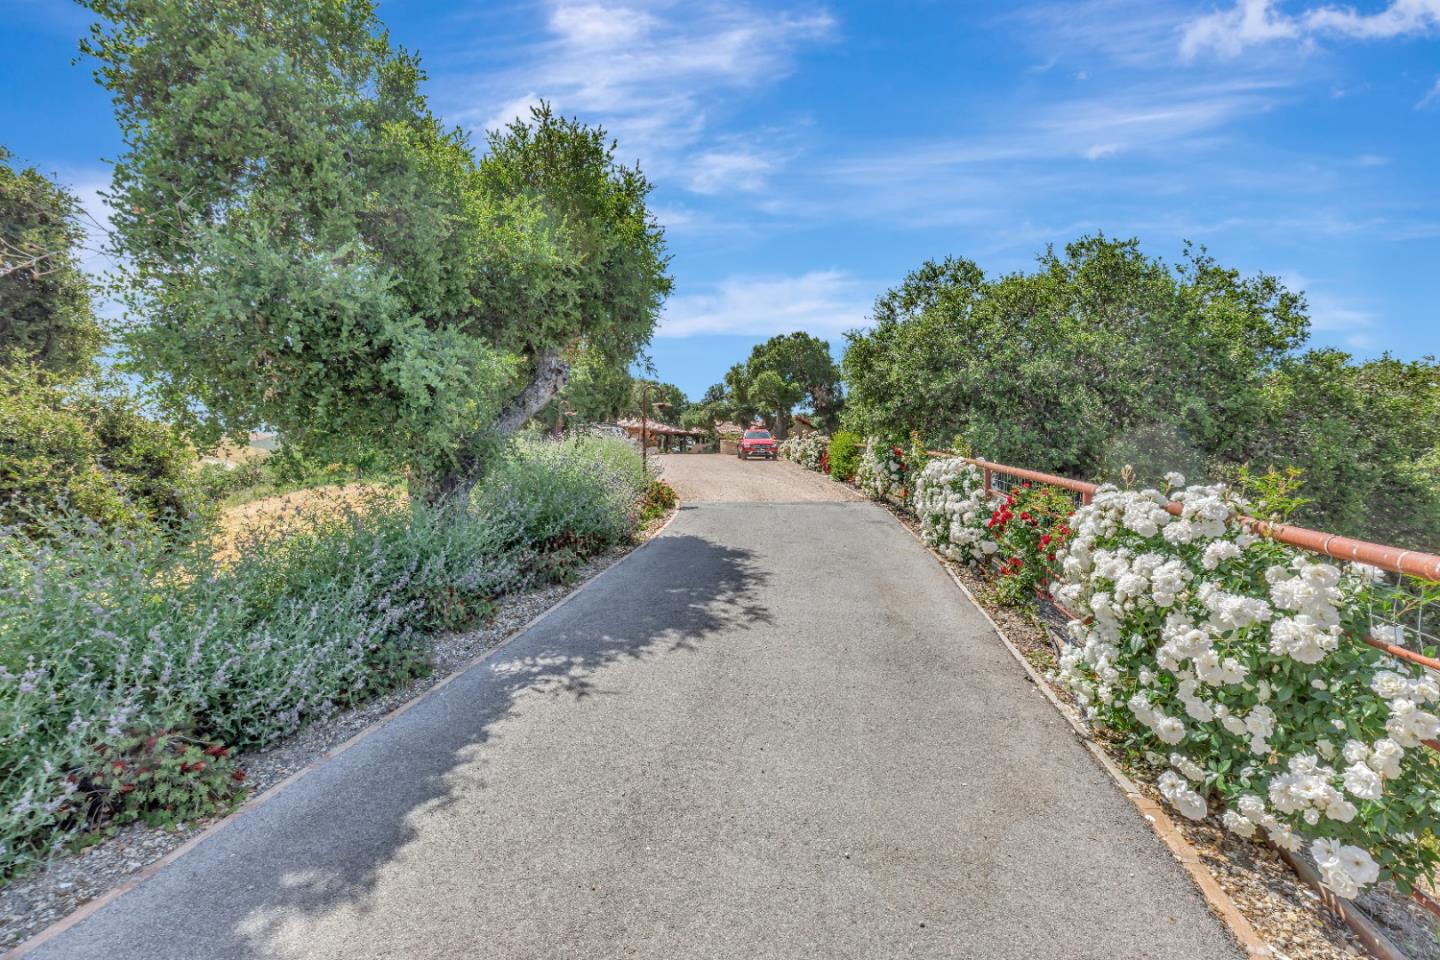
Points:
x=1401 y=608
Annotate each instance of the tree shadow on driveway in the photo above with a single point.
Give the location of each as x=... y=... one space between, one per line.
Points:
x=318 y=848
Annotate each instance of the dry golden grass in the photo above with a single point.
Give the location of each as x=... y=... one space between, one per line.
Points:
x=228 y=452
x=298 y=510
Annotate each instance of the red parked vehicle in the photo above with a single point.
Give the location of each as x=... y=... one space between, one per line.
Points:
x=757 y=443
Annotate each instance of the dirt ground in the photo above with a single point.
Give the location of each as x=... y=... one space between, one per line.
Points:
x=702 y=477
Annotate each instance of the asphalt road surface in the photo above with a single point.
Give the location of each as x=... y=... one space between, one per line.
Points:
x=776 y=731
x=710 y=477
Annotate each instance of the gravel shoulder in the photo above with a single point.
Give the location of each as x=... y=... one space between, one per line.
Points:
x=719 y=478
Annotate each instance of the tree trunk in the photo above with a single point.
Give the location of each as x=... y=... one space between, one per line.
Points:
x=454 y=486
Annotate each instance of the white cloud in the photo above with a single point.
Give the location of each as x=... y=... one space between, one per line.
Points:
x=1251 y=23
x=1134 y=33
x=653 y=74
x=1169 y=118
x=517 y=109
x=821 y=302
x=1228 y=32
x=722 y=171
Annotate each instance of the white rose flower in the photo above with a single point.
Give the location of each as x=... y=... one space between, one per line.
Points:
x=1363 y=782
x=1385 y=758
x=1237 y=824
x=1357 y=862
x=1169 y=729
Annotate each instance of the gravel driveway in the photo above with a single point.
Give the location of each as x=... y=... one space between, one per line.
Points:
x=714 y=477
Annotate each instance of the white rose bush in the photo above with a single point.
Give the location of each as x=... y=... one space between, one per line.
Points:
x=1236 y=664
x=808 y=451
x=882 y=472
x=953 y=510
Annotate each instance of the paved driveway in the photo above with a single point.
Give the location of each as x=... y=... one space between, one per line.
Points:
x=711 y=477
x=778 y=731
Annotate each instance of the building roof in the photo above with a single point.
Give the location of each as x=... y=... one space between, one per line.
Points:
x=657 y=428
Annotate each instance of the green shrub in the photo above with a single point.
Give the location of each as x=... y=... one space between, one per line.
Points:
x=163 y=777
x=845 y=451
x=565 y=499
x=217 y=481
x=89 y=448
x=1030 y=527
x=109 y=636
x=659 y=500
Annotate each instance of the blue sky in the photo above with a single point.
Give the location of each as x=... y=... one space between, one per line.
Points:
x=807 y=156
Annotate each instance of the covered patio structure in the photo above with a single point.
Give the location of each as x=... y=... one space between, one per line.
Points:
x=663 y=436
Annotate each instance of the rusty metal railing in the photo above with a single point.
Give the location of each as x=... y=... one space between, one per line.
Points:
x=1397 y=609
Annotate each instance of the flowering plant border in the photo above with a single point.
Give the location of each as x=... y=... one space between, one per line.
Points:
x=808 y=451
x=1231 y=662
x=953 y=509
x=882 y=472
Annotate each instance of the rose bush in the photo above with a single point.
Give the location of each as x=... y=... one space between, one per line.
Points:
x=953 y=510
x=1030 y=525
x=1234 y=662
x=808 y=451
x=882 y=472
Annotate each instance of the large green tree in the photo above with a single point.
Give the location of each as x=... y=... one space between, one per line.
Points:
x=774 y=393
x=805 y=371
x=1101 y=357
x=45 y=308
x=309 y=249
x=803 y=362
x=1366 y=435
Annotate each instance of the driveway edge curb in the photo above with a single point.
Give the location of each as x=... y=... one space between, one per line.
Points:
x=249 y=806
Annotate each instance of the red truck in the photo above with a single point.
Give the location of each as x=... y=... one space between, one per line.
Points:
x=757 y=443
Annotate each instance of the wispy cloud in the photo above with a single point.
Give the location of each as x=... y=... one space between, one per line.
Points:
x=1251 y=23
x=654 y=74
x=1129 y=33
x=730 y=169
x=820 y=301
x=1431 y=97
x=1172 y=119
x=1335 y=318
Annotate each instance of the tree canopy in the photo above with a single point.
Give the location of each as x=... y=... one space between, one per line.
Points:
x=800 y=370
x=45 y=309
x=1104 y=358
x=308 y=248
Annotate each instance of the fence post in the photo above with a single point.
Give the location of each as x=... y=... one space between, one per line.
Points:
x=988 y=491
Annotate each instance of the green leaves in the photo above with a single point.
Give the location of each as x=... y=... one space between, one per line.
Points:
x=45 y=311
x=310 y=251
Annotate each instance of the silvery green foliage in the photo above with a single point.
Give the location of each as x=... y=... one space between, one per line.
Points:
x=104 y=632
x=881 y=473
x=952 y=507
x=1236 y=663
x=806 y=451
